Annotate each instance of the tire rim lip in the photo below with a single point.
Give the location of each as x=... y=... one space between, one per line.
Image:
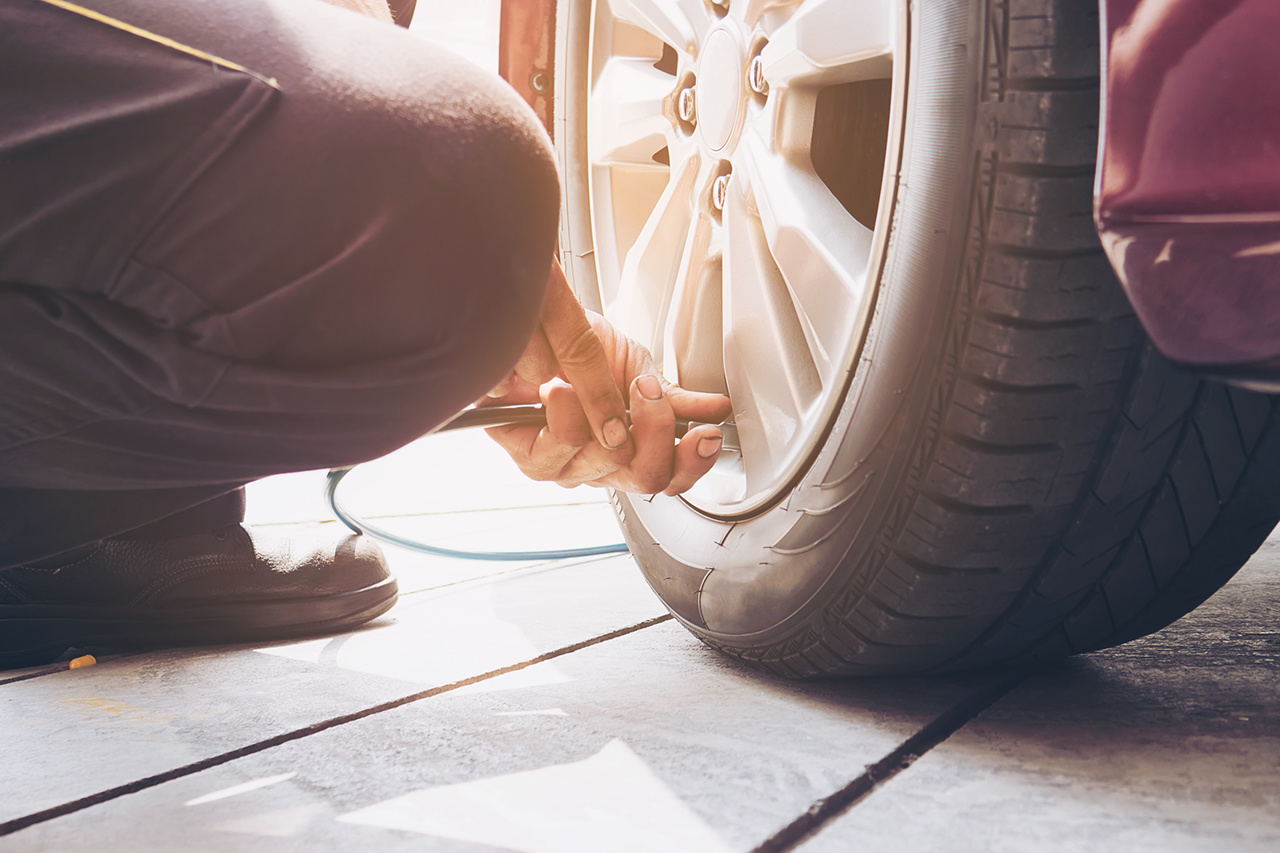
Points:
x=759 y=145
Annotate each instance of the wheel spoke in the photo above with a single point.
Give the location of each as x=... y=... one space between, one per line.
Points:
x=770 y=371
x=832 y=41
x=694 y=333
x=820 y=250
x=652 y=266
x=629 y=127
x=751 y=11
x=679 y=23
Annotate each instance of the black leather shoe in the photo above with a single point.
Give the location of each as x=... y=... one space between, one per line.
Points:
x=227 y=586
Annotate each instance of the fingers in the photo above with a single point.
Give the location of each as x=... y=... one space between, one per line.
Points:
x=565 y=418
x=589 y=436
x=536 y=451
x=514 y=391
x=699 y=406
x=660 y=465
x=564 y=450
x=537 y=365
x=695 y=456
x=653 y=428
x=583 y=362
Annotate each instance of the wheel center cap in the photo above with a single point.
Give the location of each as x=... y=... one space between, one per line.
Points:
x=719 y=88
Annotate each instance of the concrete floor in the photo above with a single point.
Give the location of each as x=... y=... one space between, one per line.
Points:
x=554 y=708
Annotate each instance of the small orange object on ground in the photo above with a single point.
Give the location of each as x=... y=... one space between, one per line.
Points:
x=83 y=660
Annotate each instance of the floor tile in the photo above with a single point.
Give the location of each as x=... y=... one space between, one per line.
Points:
x=78 y=732
x=1168 y=743
x=646 y=742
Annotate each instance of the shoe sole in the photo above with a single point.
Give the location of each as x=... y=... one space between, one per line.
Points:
x=35 y=634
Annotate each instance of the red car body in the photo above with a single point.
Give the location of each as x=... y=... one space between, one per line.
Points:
x=1187 y=199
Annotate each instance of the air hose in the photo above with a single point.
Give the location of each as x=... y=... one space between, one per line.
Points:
x=468 y=419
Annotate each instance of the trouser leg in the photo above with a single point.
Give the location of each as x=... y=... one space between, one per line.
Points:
x=209 y=275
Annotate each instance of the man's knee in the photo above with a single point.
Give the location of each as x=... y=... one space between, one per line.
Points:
x=457 y=239
x=465 y=221
x=395 y=198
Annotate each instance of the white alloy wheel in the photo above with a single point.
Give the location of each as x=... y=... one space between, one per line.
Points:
x=732 y=232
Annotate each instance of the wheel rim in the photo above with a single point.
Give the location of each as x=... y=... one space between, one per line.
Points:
x=737 y=155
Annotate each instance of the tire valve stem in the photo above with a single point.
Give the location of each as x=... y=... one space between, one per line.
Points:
x=686 y=106
x=720 y=192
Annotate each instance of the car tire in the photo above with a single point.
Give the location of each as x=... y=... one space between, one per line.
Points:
x=1003 y=469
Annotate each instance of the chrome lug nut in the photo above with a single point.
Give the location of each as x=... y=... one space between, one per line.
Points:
x=720 y=192
x=686 y=105
x=755 y=76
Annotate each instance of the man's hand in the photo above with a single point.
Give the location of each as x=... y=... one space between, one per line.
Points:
x=576 y=366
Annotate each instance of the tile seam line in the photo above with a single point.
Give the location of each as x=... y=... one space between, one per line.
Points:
x=30 y=675
x=825 y=810
x=13 y=825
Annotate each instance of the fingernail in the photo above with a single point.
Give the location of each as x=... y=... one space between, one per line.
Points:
x=650 y=387
x=709 y=447
x=615 y=433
